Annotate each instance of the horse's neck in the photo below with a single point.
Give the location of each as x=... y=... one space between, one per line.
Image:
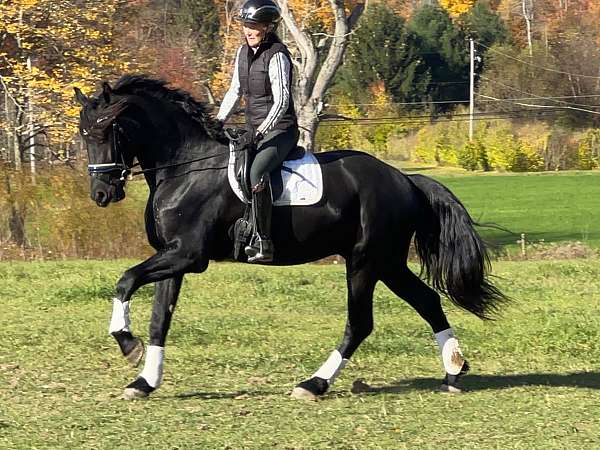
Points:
x=196 y=153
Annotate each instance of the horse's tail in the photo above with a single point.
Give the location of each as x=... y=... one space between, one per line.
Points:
x=453 y=256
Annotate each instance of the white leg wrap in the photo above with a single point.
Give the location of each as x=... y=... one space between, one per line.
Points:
x=153 y=367
x=332 y=367
x=119 y=320
x=452 y=356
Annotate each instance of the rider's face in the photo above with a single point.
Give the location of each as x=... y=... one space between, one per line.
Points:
x=254 y=33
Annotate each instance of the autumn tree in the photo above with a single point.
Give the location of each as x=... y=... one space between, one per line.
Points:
x=384 y=51
x=443 y=48
x=47 y=46
x=317 y=55
x=178 y=40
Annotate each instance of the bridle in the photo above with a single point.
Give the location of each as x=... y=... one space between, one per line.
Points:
x=117 y=154
x=120 y=166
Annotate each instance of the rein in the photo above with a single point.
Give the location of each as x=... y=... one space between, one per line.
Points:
x=126 y=170
x=154 y=169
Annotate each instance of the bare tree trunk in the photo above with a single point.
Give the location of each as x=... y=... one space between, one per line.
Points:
x=528 y=16
x=30 y=126
x=12 y=114
x=16 y=221
x=6 y=128
x=313 y=79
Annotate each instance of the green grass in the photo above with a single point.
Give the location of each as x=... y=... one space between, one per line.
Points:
x=243 y=336
x=548 y=206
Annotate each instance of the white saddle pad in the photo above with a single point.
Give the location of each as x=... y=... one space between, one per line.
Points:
x=302 y=181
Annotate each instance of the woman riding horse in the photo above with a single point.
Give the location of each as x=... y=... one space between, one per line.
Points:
x=263 y=76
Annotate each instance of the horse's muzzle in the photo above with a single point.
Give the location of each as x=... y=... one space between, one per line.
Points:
x=103 y=192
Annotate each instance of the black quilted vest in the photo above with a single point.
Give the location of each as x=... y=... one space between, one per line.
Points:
x=255 y=85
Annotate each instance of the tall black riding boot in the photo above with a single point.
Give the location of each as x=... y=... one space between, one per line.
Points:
x=261 y=246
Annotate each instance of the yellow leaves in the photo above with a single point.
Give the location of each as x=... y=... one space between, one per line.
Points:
x=457 y=7
x=381 y=98
x=28 y=3
x=309 y=12
x=67 y=45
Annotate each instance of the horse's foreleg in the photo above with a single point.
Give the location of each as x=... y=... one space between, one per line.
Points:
x=426 y=302
x=162 y=266
x=165 y=299
x=119 y=327
x=359 y=324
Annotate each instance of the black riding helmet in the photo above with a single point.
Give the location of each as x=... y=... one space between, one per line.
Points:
x=260 y=11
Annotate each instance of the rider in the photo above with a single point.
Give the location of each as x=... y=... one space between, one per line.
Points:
x=263 y=76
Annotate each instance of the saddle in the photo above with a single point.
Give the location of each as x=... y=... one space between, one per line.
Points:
x=244 y=157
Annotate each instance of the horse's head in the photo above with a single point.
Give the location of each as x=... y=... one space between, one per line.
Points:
x=101 y=124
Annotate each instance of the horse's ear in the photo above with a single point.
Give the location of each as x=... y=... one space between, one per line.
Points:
x=81 y=98
x=106 y=91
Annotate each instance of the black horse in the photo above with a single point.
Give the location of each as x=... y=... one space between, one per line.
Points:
x=368 y=214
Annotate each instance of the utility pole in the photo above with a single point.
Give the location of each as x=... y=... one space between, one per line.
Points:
x=471 y=88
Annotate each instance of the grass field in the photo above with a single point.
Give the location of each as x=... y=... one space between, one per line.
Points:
x=243 y=336
x=548 y=206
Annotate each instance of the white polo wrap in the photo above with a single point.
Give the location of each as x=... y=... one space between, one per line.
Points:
x=153 y=366
x=332 y=367
x=119 y=320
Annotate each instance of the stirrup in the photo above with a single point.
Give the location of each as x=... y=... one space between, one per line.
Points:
x=261 y=251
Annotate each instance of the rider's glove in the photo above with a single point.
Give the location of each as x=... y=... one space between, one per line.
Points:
x=246 y=140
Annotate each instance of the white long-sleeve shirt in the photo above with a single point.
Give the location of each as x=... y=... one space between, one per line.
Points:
x=279 y=76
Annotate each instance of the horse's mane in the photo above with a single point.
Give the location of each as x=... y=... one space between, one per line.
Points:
x=144 y=85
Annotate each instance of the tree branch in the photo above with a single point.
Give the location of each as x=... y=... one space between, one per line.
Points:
x=308 y=65
x=303 y=41
x=343 y=27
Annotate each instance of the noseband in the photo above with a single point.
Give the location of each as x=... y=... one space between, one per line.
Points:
x=117 y=155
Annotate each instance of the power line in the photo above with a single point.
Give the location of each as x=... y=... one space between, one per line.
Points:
x=568 y=105
x=542 y=106
x=442 y=102
x=536 y=66
x=498 y=115
x=559 y=97
x=516 y=101
x=399 y=103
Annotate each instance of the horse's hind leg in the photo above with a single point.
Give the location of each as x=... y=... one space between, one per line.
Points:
x=359 y=324
x=426 y=302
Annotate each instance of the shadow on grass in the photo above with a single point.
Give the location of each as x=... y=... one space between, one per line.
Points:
x=589 y=380
x=224 y=395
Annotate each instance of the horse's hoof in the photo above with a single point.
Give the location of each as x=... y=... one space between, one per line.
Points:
x=310 y=389
x=139 y=388
x=136 y=354
x=132 y=394
x=450 y=389
x=302 y=394
x=452 y=383
x=131 y=347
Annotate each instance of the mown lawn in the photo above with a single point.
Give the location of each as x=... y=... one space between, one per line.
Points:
x=243 y=336
x=553 y=207
x=549 y=207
